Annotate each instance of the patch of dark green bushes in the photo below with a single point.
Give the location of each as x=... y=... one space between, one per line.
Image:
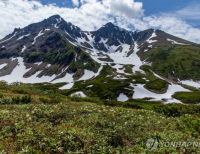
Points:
x=176 y=110
x=22 y=100
x=51 y=100
x=188 y=97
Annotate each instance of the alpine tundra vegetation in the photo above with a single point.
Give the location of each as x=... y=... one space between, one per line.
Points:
x=64 y=90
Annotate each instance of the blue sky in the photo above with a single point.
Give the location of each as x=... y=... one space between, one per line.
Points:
x=177 y=17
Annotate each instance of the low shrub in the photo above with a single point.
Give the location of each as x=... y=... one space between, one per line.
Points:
x=51 y=100
x=5 y=101
x=1 y=95
x=22 y=100
x=177 y=110
x=188 y=97
x=44 y=100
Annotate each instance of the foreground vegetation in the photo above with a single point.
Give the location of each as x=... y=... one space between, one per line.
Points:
x=43 y=121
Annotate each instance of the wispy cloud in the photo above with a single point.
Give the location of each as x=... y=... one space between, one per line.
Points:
x=75 y=2
x=191 y=11
x=92 y=14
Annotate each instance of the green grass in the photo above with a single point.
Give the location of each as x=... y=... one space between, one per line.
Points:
x=147 y=68
x=128 y=69
x=71 y=127
x=157 y=85
x=177 y=110
x=107 y=88
x=90 y=125
x=183 y=60
x=49 y=86
x=188 y=97
x=103 y=87
x=191 y=88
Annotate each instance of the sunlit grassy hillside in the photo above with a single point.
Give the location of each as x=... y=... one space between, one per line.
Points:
x=35 y=121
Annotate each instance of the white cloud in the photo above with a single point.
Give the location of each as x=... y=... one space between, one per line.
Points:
x=88 y=1
x=92 y=14
x=127 y=8
x=75 y=2
x=174 y=26
x=190 y=12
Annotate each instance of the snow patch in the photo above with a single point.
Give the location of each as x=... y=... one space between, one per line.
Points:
x=59 y=20
x=152 y=36
x=174 y=42
x=23 y=49
x=120 y=58
x=40 y=34
x=67 y=78
x=68 y=34
x=38 y=63
x=20 y=70
x=2 y=65
x=56 y=25
x=79 y=93
x=191 y=83
x=49 y=65
x=75 y=56
x=22 y=37
x=122 y=98
x=141 y=92
x=9 y=38
x=68 y=86
x=89 y=74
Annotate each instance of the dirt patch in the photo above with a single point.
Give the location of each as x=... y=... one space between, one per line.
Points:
x=86 y=45
x=34 y=68
x=7 y=70
x=130 y=51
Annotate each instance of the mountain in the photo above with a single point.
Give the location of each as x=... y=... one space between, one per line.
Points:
x=109 y=63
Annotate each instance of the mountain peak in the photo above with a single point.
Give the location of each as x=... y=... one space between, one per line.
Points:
x=109 y=24
x=53 y=19
x=55 y=16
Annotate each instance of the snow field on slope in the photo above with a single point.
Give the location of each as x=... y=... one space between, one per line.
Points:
x=58 y=21
x=191 y=83
x=89 y=74
x=21 y=37
x=152 y=36
x=67 y=78
x=119 y=57
x=23 y=49
x=2 y=65
x=174 y=42
x=18 y=72
x=141 y=92
x=40 y=34
x=9 y=38
x=67 y=86
x=38 y=63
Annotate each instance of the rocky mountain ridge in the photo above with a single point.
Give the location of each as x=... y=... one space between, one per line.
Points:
x=54 y=51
